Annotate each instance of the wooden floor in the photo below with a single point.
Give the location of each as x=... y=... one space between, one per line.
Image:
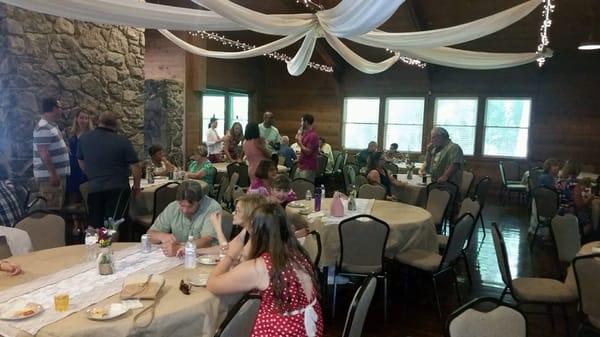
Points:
x=412 y=313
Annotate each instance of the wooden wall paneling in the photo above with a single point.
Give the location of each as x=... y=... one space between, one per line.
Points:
x=195 y=81
x=162 y=59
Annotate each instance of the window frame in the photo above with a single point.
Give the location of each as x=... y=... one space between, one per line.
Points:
x=344 y=111
x=385 y=118
x=484 y=126
x=476 y=126
x=227 y=94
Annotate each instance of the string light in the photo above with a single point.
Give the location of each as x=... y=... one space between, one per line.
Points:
x=408 y=60
x=245 y=46
x=311 y=5
x=544 y=40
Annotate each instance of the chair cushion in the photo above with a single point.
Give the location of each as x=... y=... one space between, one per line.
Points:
x=545 y=290
x=144 y=220
x=442 y=241
x=420 y=259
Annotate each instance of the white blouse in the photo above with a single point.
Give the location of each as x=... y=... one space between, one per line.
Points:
x=212 y=141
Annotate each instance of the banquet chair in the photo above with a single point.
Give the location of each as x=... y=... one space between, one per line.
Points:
x=300 y=186
x=531 y=290
x=228 y=194
x=534 y=175
x=321 y=165
x=237 y=193
x=567 y=239
x=312 y=245
x=587 y=275
x=223 y=184
x=453 y=191
x=509 y=186
x=45 y=229
x=163 y=196
x=293 y=170
x=370 y=234
x=434 y=264
x=357 y=313
x=372 y=191
x=546 y=206
x=242 y=171
x=4 y=248
x=227 y=224
x=480 y=194
x=437 y=204
x=212 y=172
x=486 y=317
x=466 y=183
x=240 y=319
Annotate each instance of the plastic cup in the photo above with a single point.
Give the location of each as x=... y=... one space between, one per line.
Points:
x=61 y=302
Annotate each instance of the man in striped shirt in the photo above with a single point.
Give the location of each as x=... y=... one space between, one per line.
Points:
x=50 y=155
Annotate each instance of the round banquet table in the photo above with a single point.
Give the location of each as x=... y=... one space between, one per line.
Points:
x=415 y=193
x=197 y=314
x=143 y=204
x=410 y=227
x=222 y=168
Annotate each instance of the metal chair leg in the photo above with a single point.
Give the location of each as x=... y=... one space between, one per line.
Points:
x=503 y=293
x=482 y=226
x=468 y=269
x=334 y=296
x=537 y=227
x=456 y=286
x=385 y=298
x=437 y=298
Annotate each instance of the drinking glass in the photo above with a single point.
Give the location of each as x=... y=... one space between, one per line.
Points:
x=61 y=302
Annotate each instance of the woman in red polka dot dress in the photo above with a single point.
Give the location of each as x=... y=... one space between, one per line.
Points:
x=279 y=268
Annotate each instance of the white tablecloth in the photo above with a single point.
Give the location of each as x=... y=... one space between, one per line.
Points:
x=413 y=194
x=18 y=240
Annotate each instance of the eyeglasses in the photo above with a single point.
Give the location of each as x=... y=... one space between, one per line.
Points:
x=184 y=287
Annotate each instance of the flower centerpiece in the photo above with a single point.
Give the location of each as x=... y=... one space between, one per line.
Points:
x=106 y=235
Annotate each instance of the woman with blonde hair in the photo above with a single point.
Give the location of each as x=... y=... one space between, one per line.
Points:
x=82 y=123
x=200 y=167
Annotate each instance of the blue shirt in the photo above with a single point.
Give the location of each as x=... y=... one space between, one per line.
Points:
x=288 y=153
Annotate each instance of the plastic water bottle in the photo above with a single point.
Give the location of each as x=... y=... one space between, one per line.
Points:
x=317 y=199
x=352 y=199
x=189 y=260
x=323 y=195
x=308 y=195
x=91 y=238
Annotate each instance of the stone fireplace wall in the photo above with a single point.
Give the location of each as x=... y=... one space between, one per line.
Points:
x=163 y=117
x=90 y=67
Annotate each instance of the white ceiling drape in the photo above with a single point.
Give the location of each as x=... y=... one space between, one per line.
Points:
x=355 y=20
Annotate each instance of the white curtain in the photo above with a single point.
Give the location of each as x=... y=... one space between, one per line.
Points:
x=355 y=20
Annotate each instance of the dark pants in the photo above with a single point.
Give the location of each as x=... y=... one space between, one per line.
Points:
x=105 y=204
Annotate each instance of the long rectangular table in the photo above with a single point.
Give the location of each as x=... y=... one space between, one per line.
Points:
x=197 y=314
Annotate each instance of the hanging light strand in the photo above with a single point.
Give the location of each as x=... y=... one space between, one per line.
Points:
x=544 y=36
x=311 y=5
x=408 y=60
x=245 y=46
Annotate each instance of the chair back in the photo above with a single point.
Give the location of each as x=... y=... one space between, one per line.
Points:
x=498 y=320
x=481 y=190
x=457 y=240
x=546 y=202
x=587 y=275
x=242 y=171
x=359 y=307
x=293 y=169
x=4 y=248
x=300 y=186
x=372 y=191
x=501 y=172
x=501 y=255
x=534 y=175
x=349 y=172
x=470 y=206
x=466 y=183
x=312 y=244
x=391 y=167
x=437 y=204
x=228 y=195
x=163 y=196
x=237 y=193
x=368 y=233
x=240 y=319
x=212 y=172
x=222 y=188
x=338 y=162
x=452 y=189
x=566 y=236
x=321 y=165
x=512 y=170
x=227 y=224
x=46 y=230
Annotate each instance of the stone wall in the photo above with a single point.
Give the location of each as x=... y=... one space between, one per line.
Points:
x=92 y=67
x=163 y=117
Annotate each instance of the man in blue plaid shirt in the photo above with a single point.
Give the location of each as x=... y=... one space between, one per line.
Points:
x=10 y=211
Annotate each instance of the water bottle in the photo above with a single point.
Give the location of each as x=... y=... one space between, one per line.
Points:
x=323 y=194
x=189 y=260
x=352 y=199
x=317 y=199
x=150 y=173
x=91 y=238
x=308 y=195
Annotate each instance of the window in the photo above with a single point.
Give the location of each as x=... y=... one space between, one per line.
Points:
x=506 y=127
x=459 y=117
x=361 y=119
x=227 y=107
x=404 y=123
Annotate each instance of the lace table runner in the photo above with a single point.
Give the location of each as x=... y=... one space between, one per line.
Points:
x=363 y=206
x=83 y=284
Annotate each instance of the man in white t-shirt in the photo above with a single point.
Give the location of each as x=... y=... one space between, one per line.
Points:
x=269 y=133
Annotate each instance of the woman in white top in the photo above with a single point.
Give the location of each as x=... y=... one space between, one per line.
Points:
x=214 y=142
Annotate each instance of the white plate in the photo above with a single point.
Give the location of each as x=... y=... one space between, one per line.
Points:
x=295 y=204
x=208 y=259
x=112 y=311
x=304 y=212
x=19 y=310
x=198 y=280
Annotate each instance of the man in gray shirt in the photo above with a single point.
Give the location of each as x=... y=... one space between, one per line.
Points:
x=106 y=158
x=269 y=133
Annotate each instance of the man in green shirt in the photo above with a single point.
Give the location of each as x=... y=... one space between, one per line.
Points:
x=443 y=159
x=188 y=215
x=269 y=133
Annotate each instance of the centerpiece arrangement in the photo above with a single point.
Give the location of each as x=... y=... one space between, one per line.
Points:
x=106 y=236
